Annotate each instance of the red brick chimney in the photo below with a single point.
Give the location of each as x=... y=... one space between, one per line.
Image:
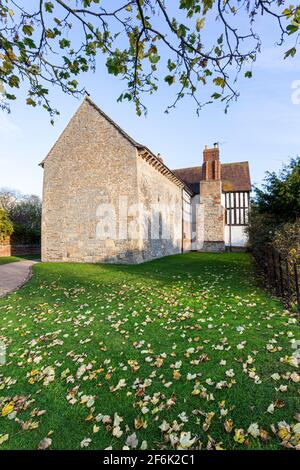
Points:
x=211 y=168
x=211 y=212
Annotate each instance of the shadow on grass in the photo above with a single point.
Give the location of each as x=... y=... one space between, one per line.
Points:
x=235 y=269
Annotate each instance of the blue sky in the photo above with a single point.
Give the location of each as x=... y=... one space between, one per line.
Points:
x=261 y=127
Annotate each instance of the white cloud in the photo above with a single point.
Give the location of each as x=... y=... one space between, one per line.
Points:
x=7 y=126
x=273 y=58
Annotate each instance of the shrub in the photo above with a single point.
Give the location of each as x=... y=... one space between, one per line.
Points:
x=275 y=214
x=287 y=240
x=6 y=227
x=25 y=215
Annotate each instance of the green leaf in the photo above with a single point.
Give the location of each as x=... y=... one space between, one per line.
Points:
x=154 y=58
x=170 y=79
x=220 y=40
x=64 y=43
x=28 y=29
x=31 y=102
x=291 y=28
x=186 y=4
x=9 y=96
x=171 y=65
x=291 y=52
x=219 y=81
x=30 y=43
x=49 y=33
x=73 y=83
x=128 y=96
x=14 y=81
x=248 y=74
x=218 y=51
x=49 y=7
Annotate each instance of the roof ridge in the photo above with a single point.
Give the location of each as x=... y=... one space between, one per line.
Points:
x=186 y=168
x=127 y=136
x=235 y=163
x=137 y=145
x=60 y=135
x=109 y=119
x=199 y=166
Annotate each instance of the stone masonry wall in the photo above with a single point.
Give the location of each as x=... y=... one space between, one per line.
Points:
x=156 y=189
x=212 y=215
x=91 y=164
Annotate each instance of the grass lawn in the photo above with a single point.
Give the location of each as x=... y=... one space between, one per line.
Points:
x=103 y=356
x=9 y=259
x=15 y=259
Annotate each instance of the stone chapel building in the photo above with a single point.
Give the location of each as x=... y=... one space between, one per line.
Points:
x=107 y=198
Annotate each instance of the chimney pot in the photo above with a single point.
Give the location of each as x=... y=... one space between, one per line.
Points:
x=211 y=168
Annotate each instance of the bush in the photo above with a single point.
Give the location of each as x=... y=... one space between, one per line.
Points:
x=287 y=240
x=280 y=194
x=275 y=214
x=6 y=227
x=26 y=217
x=25 y=214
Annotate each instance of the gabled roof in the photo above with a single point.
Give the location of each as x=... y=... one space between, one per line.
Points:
x=235 y=177
x=143 y=151
x=113 y=123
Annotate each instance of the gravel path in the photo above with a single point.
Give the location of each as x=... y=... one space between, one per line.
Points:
x=14 y=275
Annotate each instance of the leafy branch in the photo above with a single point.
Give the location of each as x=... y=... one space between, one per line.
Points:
x=46 y=44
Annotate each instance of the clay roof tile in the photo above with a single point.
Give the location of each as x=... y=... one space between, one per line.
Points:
x=235 y=177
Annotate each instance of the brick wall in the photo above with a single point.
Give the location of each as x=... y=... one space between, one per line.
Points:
x=15 y=250
x=5 y=250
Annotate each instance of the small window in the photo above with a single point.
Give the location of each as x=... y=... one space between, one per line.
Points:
x=237 y=208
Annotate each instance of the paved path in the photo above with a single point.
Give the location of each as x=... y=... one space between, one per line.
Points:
x=14 y=275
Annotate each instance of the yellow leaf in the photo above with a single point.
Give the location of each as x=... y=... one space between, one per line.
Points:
x=139 y=423
x=200 y=23
x=228 y=425
x=3 y=438
x=239 y=436
x=283 y=433
x=8 y=408
x=176 y=374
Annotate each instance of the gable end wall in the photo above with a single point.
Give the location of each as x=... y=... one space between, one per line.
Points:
x=91 y=163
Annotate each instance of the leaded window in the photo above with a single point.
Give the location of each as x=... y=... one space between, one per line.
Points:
x=237 y=208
